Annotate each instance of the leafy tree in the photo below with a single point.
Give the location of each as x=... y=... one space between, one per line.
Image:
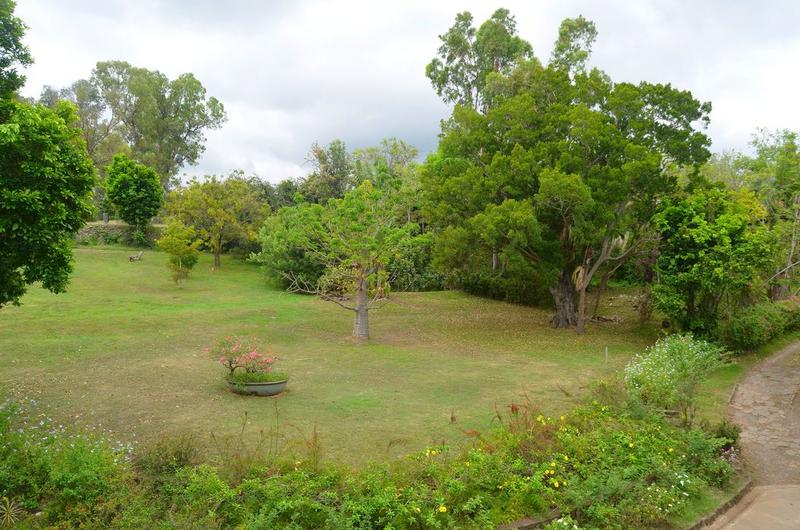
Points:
x=332 y=175
x=162 y=120
x=557 y=180
x=713 y=247
x=468 y=56
x=351 y=240
x=13 y=53
x=222 y=211
x=178 y=240
x=135 y=191
x=574 y=45
x=99 y=128
x=45 y=183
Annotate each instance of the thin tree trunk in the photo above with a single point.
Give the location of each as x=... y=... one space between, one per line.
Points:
x=581 y=323
x=564 y=298
x=217 y=258
x=600 y=290
x=495 y=259
x=361 y=324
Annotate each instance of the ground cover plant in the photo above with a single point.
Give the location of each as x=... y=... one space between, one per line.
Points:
x=604 y=464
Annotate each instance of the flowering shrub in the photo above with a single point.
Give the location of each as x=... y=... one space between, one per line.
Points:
x=254 y=366
x=667 y=374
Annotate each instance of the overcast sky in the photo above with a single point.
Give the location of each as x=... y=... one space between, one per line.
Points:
x=292 y=72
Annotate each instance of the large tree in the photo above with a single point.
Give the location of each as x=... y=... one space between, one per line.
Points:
x=467 y=57
x=163 y=121
x=558 y=177
x=221 y=210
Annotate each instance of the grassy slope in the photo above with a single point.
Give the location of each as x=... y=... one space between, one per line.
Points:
x=123 y=349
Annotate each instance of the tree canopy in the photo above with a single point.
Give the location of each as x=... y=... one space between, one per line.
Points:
x=46 y=180
x=558 y=177
x=135 y=191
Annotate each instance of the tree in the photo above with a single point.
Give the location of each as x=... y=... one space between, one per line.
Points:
x=574 y=45
x=162 y=120
x=467 y=57
x=222 y=211
x=99 y=128
x=351 y=239
x=332 y=175
x=714 y=246
x=13 y=53
x=135 y=190
x=557 y=180
x=45 y=183
x=178 y=240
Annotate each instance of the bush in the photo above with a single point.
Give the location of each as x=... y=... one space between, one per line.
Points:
x=667 y=374
x=758 y=324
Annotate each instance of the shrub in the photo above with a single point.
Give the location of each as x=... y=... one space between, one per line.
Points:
x=758 y=324
x=667 y=374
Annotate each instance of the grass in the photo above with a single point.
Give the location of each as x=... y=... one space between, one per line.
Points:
x=122 y=351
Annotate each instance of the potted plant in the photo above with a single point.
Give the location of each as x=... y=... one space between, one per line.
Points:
x=249 y=370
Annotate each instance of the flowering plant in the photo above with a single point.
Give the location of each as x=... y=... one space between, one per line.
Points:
x=244 y=354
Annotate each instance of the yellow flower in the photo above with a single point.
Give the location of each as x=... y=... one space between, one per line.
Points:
x=563 y=418
x=555 y=483
x=564 y=483
x=552 y=464
x=467 y=463
x=670 y=449
x=566 y=458
x=416 y=509
x=442 y=508
x=630 y=444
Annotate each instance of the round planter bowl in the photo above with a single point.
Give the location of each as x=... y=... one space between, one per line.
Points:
x=272 y=388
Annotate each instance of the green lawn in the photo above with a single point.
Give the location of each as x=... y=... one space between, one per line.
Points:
x=123 y=350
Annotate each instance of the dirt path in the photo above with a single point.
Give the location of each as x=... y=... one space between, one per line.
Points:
x=767 y=407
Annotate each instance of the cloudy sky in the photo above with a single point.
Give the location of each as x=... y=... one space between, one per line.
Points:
x=292 y=72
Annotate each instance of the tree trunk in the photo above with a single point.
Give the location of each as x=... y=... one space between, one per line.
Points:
x=564 y=298
x=361 y=325
x=581 y=322
x=495 y=259
x=217 y=258
x=600 y=290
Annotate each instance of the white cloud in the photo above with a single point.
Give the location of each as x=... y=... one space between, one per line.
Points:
x=290 y=73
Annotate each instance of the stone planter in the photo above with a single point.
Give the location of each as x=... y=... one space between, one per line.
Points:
x=271 y=388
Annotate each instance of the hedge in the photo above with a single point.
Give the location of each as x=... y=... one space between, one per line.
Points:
x=758 y=324
x=113 y=233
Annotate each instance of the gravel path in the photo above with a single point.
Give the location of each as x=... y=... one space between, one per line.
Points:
x=767 y=407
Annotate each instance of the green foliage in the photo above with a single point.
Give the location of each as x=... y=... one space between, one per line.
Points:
x=332 y=176
x=178 y=240
x=222 y=211
x=412 y=269
x=115 y=233
x=558 y=178
x=13 y=53
x=713 y=247
x=598 y=464
x=667 y=374
x=45 y=185
x=162 y=120
x=135 y=191
x=285 y=239
x=468 y=57
x=758 y=324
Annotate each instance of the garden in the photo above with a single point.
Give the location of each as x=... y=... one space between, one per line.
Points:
x=540 y=323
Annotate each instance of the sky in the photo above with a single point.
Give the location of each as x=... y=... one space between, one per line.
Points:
x=293 y=72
